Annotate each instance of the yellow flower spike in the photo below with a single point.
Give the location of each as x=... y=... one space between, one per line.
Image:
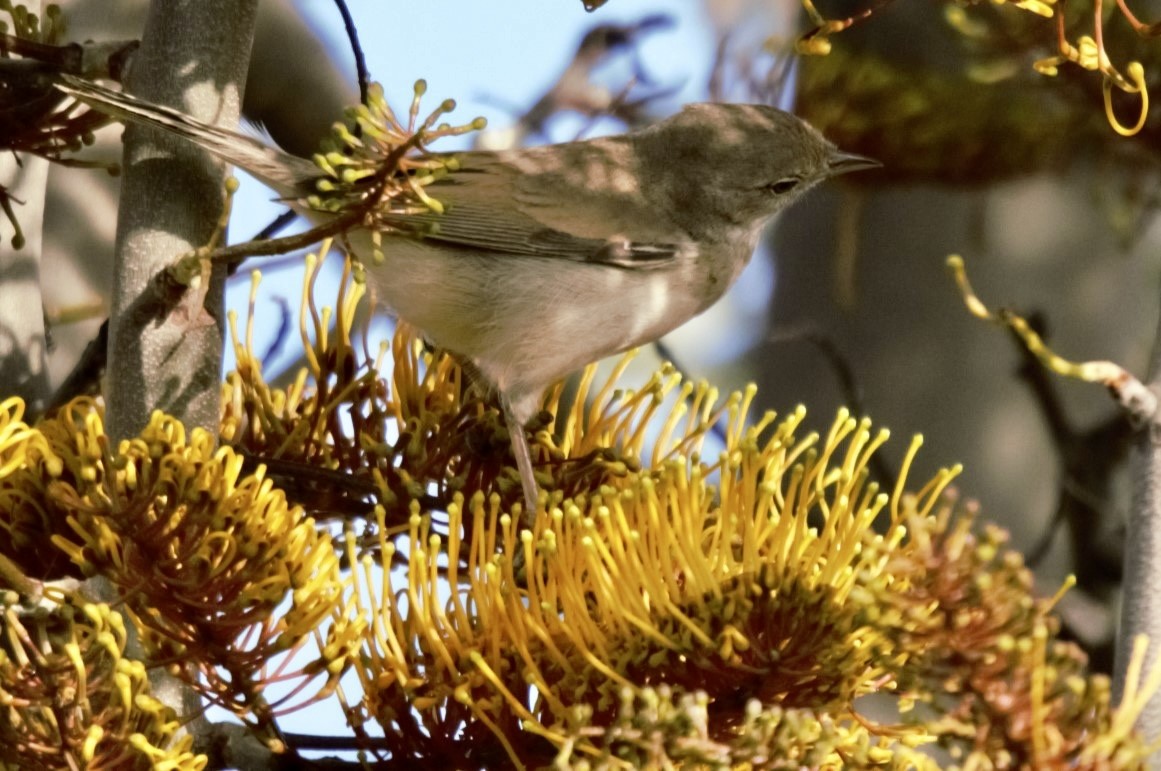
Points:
x=352 y=294
x=1107 y=373
x=869 y=446
x=900 y=481
x=306 y=305
x=733 y=640
x=1036 y=694
x=606 y=395
x=323 y=161
x=1087 y=54
x=736 y=427
x=16 y=438
x=843 y=426
x=665 y=434
x=1137 y=75
x=657 y=576
x=89 y=747
x=1137 y=693
x=73 y=651
x=109 y=642
x=1039 y=7
x=1068 y=583
x=1049 y=66
x=635 y=439
x=930 y=493
x=814 y=46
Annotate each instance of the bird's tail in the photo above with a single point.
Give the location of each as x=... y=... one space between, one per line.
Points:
x=290 y=175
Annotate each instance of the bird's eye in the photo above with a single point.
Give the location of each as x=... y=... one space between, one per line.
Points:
x=783 y=186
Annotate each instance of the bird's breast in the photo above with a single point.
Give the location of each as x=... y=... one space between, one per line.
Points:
x=529 y=318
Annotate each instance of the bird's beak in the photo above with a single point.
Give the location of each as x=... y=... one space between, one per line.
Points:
x=841 y=163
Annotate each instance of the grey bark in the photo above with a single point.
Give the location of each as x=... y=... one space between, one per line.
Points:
x=194 y=56
x=1141 y=593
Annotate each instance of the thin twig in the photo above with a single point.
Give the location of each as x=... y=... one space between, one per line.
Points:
x=356 y=49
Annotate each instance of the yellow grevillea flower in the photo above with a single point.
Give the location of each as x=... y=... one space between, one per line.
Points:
x=70 y=698
x=676 y=601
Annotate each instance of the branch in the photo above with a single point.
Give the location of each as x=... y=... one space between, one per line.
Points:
x=1141 y=603
x=192 y=55
x=195 y=57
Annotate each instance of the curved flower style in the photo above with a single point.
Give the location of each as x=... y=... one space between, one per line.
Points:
x=676 y=601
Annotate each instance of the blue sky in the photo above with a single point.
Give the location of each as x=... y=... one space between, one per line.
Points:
x=512 y=50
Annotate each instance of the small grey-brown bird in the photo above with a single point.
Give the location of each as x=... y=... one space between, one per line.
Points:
x=549 y=258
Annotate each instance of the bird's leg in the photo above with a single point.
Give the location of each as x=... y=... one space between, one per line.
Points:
x=523 y=460
x=520 y=448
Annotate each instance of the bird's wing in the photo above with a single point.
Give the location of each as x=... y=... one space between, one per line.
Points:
x=562 y=205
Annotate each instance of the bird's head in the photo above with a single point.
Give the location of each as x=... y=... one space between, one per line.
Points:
x=724 y=166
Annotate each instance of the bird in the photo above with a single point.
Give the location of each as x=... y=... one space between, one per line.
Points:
x=546 y=259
